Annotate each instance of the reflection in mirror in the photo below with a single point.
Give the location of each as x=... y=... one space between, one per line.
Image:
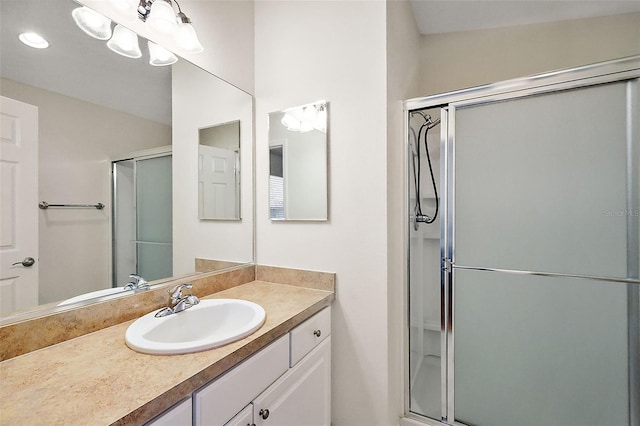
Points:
x=85 y=107
x=219 y=171
x=298 y=163
x=142 y=216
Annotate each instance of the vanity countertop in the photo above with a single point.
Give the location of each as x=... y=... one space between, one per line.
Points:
x=96 y=379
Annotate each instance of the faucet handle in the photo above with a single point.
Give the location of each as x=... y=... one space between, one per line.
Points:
x=138 y=283
x=176 y=292
x=139 y=280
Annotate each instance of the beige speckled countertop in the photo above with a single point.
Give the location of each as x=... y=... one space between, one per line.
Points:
x=96 y=379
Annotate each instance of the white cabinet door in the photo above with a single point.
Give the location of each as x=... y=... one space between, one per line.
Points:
x=178 y=415
x=243 y=418
x=302 y=397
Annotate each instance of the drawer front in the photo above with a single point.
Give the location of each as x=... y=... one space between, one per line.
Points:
x=309 y=334
x=219 y=401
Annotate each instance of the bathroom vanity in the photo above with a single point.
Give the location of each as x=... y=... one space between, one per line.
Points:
x=286 y=383
x=282 y=369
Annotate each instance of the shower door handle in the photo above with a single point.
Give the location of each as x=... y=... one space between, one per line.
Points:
x=27 y=262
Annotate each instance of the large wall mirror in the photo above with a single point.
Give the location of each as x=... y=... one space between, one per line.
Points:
x=99 y=115
x=298 y=163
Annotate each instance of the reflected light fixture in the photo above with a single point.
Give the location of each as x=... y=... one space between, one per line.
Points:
x=159 y=56
x=124 y=42
x=306 y=118
x=93 y=23
x=33 y=40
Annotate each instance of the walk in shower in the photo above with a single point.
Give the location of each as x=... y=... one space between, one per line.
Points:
x=523 y=251
x=142 y=217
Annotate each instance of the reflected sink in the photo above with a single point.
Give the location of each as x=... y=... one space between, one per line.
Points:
x=207 y=325
x=93 y=295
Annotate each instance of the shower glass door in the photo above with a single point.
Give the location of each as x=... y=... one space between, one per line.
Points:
x=545 y=194
x=142 y=219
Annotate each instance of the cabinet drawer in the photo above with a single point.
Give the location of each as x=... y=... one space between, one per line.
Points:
x=219 y=401
x=309 y=334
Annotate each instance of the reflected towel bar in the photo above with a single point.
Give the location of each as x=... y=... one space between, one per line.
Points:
x=44 y=205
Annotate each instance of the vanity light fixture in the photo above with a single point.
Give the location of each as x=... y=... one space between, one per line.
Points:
x=33 y=40
x=159 y=56
x=126 y=10
x=187 y=38
x=93 y=23
x=124 y=42
x=161 y=17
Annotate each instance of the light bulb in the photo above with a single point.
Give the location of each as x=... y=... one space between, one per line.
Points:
x=92 y=23
x=159 y=56
x=162 y=17
x=124 y=42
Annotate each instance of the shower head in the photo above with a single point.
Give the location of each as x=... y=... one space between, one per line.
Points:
x=432 y=123
x=429 y=123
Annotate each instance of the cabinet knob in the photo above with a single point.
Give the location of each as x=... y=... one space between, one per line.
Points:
x=317 y=333
x=264 y=413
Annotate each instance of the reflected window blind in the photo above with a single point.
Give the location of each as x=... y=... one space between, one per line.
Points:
x=276 y=197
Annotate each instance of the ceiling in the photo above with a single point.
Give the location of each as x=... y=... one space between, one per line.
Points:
x=442 y=16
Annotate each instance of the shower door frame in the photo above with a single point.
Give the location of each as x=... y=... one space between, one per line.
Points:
x=162 y=151
x=624 y=69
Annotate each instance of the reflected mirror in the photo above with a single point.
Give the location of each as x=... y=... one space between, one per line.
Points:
x=95 y=110
x=298 y=163
x=219 y=172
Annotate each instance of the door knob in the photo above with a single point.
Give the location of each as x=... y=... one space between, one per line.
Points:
x=28 y=261
x=264 y=413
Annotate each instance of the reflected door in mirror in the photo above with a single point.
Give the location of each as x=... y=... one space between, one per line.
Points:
x=219 y=172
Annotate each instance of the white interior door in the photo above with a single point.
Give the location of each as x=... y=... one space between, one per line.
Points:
x=217 y=183
x=18 y=205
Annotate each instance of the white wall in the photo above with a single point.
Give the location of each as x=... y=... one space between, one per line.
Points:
x=335 y=51
x=464 y=59
x=77 y=141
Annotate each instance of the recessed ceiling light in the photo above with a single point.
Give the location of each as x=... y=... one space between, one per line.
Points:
x=34 y=40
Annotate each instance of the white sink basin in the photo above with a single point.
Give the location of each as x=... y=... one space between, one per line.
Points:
x=207 y=325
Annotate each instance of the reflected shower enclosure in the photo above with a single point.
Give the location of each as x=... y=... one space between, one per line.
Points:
x=142 y=218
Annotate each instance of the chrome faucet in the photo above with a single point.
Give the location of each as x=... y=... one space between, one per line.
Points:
x=138 y=283
x=178 y=302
